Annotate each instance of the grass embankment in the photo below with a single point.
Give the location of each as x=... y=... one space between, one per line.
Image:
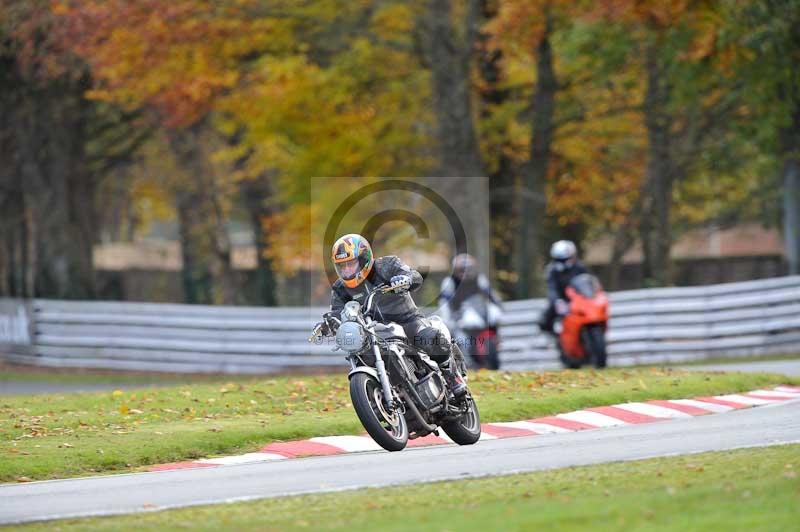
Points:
x=63 y=435
x=20 y=373
x=748 y=489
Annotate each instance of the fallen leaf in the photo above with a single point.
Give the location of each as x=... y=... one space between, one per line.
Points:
x=23 y=479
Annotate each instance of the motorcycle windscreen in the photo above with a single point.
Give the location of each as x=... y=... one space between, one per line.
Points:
x=586 y=285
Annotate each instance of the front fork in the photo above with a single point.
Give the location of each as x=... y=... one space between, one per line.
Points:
x=383 y=376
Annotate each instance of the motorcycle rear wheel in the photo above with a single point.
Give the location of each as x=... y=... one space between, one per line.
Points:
x=467 y=429
x=389 y=430
x=492 y=354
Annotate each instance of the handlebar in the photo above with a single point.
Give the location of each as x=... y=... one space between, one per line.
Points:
x=316 y=333
x=380 y=289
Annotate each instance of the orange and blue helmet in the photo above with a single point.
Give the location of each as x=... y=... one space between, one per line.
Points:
x=352 y=258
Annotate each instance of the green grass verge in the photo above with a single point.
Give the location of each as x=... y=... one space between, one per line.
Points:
x=18 y=373
x=63 y=435
x=747 y=489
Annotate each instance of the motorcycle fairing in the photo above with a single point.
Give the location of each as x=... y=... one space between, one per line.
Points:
x=582 y=311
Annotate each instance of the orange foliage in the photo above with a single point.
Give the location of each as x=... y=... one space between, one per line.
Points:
x=173 y=57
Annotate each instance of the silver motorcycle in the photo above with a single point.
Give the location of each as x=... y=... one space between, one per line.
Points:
x=398 y=392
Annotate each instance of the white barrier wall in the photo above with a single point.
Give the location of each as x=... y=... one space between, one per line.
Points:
x=675 y=324
x=647 y=326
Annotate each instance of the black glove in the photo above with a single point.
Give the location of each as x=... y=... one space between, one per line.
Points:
x=322 y=328
x=400 y=283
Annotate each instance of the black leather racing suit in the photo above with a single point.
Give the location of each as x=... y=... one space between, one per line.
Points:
x=392 y=307
x=558 y=279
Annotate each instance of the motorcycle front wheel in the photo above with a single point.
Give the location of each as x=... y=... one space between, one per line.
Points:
x=466 y=430
x=568 y=361
x=596 y=340
x=389 y=430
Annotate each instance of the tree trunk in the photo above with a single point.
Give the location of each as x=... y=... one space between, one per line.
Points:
x=534 y=203
x=791 y=191
x=624 y=238
x=660 y=174
x=57 y=190
x=503 y=206
x=448 y=49
x=195 y=272
x=791 y=210
x=449 y=59
x=205 y=245
x=256 y=194
x=225 y=277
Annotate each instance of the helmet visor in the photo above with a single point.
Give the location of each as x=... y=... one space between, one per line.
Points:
x=564 y=264
x=347 y=270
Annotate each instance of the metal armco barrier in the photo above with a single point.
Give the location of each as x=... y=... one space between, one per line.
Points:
x=647 y=326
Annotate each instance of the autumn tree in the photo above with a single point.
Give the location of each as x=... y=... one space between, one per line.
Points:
x=530 y=26
x=172 y=62
x=684 y=107
x=570 y=126
x=46 y=184
x=761 y=42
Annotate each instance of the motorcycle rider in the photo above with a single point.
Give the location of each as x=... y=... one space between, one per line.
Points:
x=463 y=283
x=359 y=272
x=563 y=267
x=457 y=289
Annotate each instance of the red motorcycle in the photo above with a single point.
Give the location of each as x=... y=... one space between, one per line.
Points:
x=582 y=329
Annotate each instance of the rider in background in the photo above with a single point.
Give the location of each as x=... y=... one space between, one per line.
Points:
x=563 y=267
x=360 y=272
x=471 y=310
x=463 y=283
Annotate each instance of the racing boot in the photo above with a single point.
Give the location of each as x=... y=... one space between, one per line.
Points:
x=454 y=380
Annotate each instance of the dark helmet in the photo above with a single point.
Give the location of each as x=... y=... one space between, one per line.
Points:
x=465 y=267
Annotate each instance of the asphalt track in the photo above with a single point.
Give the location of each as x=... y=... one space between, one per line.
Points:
x=766 y=425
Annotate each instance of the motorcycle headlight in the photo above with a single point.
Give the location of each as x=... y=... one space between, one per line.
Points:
x=350 y=336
